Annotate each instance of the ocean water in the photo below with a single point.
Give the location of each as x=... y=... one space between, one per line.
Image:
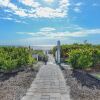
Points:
x=35 y=47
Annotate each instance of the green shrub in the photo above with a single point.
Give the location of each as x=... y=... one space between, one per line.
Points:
x=14 y=57
x=80 y=56
x=84 y=58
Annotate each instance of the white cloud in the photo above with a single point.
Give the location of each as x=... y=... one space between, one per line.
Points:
x=12 y=19
x=21 y=13
x=51 y=37
x=64 y=3
x=78 y=4
x=52 y=33
x=4 y=2
x=47 y=29
x=45 y=12
x=6 y=18
x=30 y=3
x=77 y=9
x=19 y=21
x=36 y=9
x=13 y=8
x=49 y=1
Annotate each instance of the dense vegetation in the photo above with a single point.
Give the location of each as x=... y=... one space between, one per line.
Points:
x=14 y=57
x=81 y=56
x=41 y=55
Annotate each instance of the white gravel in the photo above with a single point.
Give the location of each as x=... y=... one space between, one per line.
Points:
x=79 y=92
x=16 y=86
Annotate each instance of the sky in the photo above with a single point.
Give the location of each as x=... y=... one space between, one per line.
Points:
x=44 y=22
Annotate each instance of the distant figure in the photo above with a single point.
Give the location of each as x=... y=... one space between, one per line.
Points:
x=45 y=59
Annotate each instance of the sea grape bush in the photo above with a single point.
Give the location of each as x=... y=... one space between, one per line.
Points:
x=80 y=59
x=81 y=56
x=14 y=57
x=84 y=58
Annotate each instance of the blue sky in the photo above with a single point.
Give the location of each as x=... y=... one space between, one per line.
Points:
x=43 y=22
